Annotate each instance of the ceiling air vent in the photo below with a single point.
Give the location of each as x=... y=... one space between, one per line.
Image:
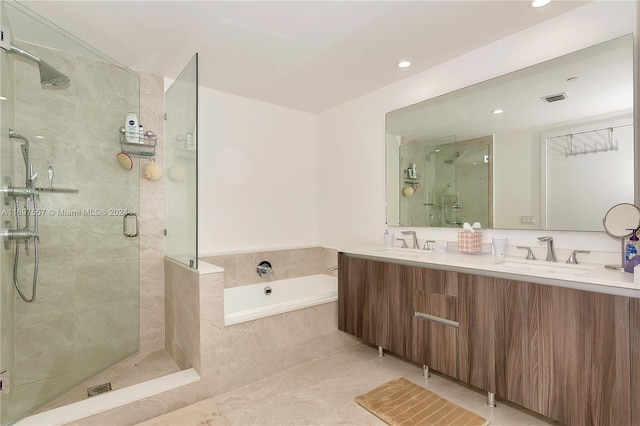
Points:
x=555 y=98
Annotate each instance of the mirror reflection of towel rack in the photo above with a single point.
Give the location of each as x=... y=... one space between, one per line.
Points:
x=588 y=142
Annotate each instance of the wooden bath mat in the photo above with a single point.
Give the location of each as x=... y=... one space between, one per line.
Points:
x=401 y=402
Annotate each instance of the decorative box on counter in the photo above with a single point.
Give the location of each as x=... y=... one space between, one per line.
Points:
x=470 y=242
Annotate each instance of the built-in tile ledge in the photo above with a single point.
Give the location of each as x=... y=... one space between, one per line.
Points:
x=203 y=267
x=258 y=250
x=110 y=400
x=208 y=268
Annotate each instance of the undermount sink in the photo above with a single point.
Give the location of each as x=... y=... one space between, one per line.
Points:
x=533 y=266
x=406 y=253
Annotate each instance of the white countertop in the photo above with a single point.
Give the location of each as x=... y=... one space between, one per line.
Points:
x=585 y=276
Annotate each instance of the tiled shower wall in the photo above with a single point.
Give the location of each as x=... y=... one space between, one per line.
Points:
x=81 y=124
x=240 y=268
x=152 y=207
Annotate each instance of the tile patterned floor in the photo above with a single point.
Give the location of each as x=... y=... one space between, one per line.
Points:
x=203 y=413
x=321 y=392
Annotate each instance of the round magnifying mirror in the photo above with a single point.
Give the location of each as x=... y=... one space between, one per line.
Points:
x=620 y=218
x=618 y=221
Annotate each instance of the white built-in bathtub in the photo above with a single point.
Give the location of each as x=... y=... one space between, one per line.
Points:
x=249 y=302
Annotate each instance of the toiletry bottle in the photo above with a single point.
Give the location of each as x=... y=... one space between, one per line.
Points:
x=190 y=143
x=633 y=261
x=50 y=173
x=131 y=129
x=631 y=249
x=141 y=134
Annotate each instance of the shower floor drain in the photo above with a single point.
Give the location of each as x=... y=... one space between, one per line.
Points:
x=97 y=390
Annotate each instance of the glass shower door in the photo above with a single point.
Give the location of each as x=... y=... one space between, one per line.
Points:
x=84 y=317
x=181 y=161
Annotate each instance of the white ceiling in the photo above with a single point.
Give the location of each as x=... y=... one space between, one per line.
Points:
x=305 y=55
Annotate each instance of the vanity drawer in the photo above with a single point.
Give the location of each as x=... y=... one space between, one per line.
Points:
x=436 y=281
x=436 y=305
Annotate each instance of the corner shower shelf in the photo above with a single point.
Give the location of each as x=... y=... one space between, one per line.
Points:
x=145 y=149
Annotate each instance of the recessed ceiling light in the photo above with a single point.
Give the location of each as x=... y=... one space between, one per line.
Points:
x=540 y=3
x=404 y=64
x=437 y=150
x=39 y=137
x=497 y=111
x=2 y=98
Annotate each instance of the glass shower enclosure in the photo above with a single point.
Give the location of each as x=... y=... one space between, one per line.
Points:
x=181 y=161
x=69 y=210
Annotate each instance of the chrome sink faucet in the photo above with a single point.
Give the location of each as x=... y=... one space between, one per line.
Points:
x=551 y=252
x=415 y=238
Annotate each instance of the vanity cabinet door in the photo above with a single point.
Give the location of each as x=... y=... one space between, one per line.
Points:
x=393 y=307
x=493 y=336
x=435 y=330
x=355 y=298
x=580 y=356
x=374 y=302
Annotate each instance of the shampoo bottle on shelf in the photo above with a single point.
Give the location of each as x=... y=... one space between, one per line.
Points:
x=131 y=129
x=631 y=248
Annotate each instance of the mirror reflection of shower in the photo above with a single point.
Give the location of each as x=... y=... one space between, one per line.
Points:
x=451 y=158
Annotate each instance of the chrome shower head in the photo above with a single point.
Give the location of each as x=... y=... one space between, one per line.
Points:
x=451 y=158
x=49 y=76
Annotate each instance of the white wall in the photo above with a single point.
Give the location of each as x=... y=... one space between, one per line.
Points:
x=520 y=179
x=257 y=175
x=351 y=186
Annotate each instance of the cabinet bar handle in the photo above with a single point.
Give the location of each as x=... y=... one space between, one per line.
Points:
x=437 y=319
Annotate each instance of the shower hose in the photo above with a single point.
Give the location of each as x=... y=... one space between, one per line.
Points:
x=35 y=249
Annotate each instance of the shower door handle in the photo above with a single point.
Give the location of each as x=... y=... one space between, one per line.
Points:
x=126 y=219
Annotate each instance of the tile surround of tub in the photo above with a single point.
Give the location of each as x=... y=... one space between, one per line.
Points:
x=233 y=356
x=181 y=312
x=240 y=268
x=236 y=355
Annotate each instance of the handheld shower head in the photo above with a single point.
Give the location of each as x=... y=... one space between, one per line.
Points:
x=49 y=76
x=26 y=155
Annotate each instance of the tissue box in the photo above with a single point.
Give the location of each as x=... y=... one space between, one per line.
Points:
x=470 y=242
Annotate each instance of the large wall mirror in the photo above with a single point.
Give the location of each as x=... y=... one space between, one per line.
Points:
x=546 y=147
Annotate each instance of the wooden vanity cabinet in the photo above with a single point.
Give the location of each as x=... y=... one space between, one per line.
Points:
x=570 y=355
x=374 y=302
